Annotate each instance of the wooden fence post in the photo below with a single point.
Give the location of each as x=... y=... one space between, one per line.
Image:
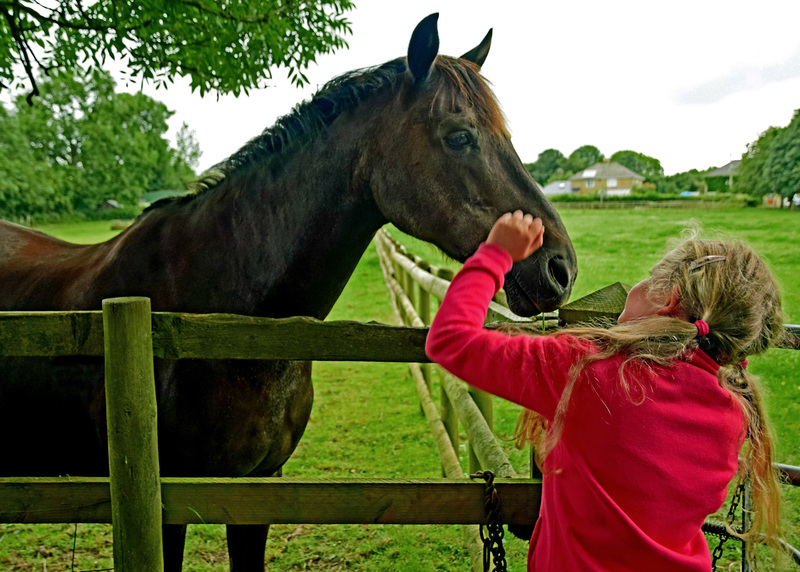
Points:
x=132 y=436
x=424 y=312
x=486 y=406
x=746 y=521
x=410 y=287
x=448 y=412
x=484 y=402
x=536 y=473
x=400 y=278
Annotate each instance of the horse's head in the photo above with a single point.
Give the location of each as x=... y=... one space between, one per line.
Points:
x=442 y=168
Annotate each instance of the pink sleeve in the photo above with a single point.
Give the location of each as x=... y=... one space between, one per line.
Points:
x=530 y=371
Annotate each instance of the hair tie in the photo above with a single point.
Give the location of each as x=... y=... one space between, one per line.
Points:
x=702 y=328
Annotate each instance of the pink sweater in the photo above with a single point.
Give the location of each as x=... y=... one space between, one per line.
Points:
x=629 y=485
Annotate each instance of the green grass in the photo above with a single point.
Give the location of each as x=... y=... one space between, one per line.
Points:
x=366 y=420
x=86 y=232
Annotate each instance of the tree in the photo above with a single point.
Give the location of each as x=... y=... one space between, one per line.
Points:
x=547 y=165
x=227 y=47
x=187 y=153
x=93 y=144
x=782 y=165
x=552 y=165
x=689 y=181
x=124 y=153
x=27 y=186
x=648 y=167
x=751 y=178
x=583 y=157
x=54 y=128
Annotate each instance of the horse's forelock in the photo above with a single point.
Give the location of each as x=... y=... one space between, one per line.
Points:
x=466 y=81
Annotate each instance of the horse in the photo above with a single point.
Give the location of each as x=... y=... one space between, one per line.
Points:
x=275 y=230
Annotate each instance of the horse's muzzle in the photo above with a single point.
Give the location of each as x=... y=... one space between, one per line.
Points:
x=539 y=284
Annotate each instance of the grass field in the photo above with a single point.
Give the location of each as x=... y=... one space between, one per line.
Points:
x=366 y=421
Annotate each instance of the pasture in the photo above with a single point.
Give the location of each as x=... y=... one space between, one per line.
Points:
x=366 y=420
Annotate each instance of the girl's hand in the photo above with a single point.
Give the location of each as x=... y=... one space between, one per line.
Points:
x=521 y=235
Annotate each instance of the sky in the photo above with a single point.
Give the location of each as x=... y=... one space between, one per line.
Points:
x=690 y=83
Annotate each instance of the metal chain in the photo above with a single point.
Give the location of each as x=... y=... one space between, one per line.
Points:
x=730 y=519
x=493 y=551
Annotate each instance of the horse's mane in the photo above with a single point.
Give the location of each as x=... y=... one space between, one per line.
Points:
x=338 y=96
x=310 y=118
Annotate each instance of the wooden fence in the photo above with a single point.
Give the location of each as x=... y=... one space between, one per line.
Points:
x=412 y=281
x=130 y=336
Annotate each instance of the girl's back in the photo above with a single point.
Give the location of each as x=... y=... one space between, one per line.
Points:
x=639 y=476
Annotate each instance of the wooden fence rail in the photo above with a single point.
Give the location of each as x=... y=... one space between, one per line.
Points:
x=215 y=336
x=273 y=501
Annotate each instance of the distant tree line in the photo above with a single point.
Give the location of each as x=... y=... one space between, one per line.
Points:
x=82 y=143
x=552 y=165
x=771 y=165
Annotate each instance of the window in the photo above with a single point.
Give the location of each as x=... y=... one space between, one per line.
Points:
x=612 y=183
x=589 y=183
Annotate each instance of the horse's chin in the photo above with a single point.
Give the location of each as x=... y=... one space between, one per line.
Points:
x=523 y=303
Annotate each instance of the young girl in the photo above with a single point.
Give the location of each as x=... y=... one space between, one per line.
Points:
x=644 y=420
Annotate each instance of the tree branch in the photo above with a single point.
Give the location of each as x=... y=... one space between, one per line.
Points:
x=22 y=47
x=89 y=25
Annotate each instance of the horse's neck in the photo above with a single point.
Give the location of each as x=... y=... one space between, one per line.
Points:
x=322 y=225
x=274 y=246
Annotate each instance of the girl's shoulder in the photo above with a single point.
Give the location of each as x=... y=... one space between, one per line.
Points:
x=569 y=344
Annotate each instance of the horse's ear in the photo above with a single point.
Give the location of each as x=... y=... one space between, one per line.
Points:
x=423 y=47
x=477 y=55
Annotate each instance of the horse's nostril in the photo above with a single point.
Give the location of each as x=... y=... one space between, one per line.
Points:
x=557 y=267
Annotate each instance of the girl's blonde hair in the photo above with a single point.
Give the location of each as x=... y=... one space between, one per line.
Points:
x=739 y=299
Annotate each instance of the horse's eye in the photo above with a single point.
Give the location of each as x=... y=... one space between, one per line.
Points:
x=458 y=140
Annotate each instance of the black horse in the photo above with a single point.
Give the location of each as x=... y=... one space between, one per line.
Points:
x=418 y=141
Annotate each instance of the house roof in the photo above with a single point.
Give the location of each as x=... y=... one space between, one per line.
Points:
x=557 y=188
x=725 y=170
x=606 y=171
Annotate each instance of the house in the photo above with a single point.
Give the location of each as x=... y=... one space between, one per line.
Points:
x=557 y=188
x=720 y=180
x=108 y=205
x=612 y=179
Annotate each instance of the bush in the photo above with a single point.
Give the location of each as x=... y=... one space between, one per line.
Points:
x=122 y=212
x=653 y=196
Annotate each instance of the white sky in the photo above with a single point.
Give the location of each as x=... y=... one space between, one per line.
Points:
x=690 y=83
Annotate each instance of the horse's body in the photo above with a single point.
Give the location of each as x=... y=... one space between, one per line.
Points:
x=417 y=142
